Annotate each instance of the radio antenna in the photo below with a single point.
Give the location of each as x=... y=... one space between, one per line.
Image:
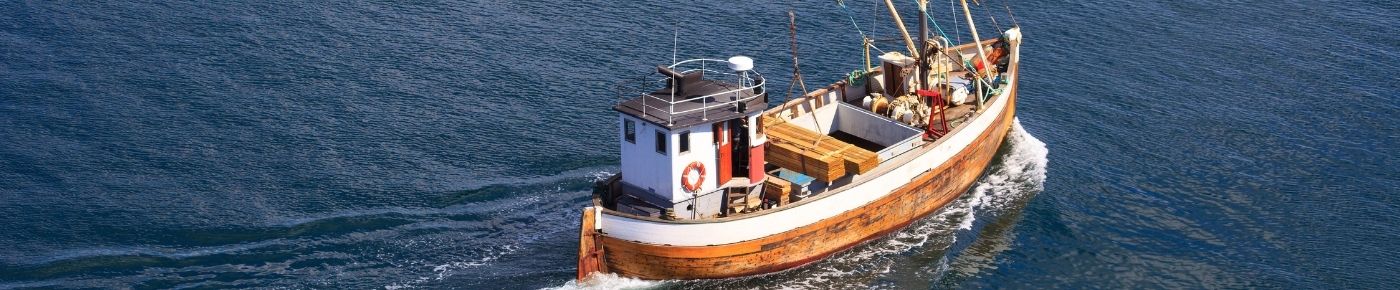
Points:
x=675 y=44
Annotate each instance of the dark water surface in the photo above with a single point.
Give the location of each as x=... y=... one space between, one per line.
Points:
x=1162 y=144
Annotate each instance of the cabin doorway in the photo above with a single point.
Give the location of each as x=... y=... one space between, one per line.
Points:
x=732 y=145
x=724 y=155
x=739 y=145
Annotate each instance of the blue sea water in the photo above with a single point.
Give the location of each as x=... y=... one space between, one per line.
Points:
x=1160 y=144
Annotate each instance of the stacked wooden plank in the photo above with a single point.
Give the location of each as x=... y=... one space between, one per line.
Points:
x=777 y=189
x=859 y=160
x=809 y=162
x=813 y=154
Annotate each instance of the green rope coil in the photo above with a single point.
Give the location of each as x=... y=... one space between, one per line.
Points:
x=856 y=78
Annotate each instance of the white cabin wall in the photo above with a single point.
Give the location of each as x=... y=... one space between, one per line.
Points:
x=702 y=149
x=642 y=166
x=690 y=205
x=755 y=139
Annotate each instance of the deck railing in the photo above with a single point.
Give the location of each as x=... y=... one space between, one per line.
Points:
x=747 y=81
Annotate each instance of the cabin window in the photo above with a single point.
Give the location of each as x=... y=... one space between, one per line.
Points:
x=629 y=131
x=660 y=142
x=685 y=142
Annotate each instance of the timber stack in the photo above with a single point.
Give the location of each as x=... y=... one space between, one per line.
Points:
x=820 y=156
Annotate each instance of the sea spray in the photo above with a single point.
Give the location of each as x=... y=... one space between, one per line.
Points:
x=1019 y=174
x=608 y=281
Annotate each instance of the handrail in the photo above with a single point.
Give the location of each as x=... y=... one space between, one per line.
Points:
x=748 y=81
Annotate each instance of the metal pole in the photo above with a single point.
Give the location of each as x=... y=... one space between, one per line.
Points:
x=913 y=50
x=923 y=41
x=865 y=43
x=675 y=45
x=980 y=54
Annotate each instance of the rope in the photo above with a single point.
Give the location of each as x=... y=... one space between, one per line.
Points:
x=929 y=18
x=989 y=15
x=1007 y=4
x=957 y=27
x=856 y=78
x=852 y=16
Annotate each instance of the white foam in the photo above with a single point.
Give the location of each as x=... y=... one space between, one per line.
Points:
x=1020 y=173
x=503 y=210
x=446 y=269
x=608 y=281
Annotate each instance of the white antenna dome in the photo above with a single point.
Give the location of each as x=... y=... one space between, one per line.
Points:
x=740 y=63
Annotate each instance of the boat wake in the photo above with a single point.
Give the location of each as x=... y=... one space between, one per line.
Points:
x=609 y=281
x=1020 y=174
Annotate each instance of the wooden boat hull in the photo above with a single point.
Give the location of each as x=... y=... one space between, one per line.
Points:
x=889 y=199
x=921 y=196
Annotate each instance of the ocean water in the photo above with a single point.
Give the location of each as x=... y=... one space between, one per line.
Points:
x=1159 y=144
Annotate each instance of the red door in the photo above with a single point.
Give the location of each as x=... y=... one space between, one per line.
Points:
x=756 y=164
x=725 y=154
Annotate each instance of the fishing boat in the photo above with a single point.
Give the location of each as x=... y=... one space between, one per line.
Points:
x=715 y=183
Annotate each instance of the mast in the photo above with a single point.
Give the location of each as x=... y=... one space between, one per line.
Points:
x=923 y=40
x=908 y=41
x=980 y=54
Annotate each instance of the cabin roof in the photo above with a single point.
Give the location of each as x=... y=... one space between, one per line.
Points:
x=698 y=101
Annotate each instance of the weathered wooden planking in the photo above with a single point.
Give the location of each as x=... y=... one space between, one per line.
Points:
x=860 y=161
x=854 y=159
x=860 y=158
x=808 y=162
x=777 y=189
x=590 y=252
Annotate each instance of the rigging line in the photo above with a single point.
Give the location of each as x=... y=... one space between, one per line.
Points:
x=797 y=72
x=929 y=18
x=877 y=48
x=988 y=12
x=851 y=15
x=675 y=44
x=1007 y=4
x=957 y=27
x=796 y=67
x=675 y=48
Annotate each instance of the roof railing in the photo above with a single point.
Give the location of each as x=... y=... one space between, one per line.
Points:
x=745 y=81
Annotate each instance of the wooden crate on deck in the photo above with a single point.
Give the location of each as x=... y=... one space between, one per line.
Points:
x=823 y=167
x=777 y=189
x=815 y=154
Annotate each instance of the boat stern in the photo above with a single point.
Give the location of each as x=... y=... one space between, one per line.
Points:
x=590 y=251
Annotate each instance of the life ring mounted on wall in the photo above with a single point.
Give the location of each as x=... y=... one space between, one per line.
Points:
x=691 y=183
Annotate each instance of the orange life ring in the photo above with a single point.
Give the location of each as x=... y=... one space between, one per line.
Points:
x=685 y=177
